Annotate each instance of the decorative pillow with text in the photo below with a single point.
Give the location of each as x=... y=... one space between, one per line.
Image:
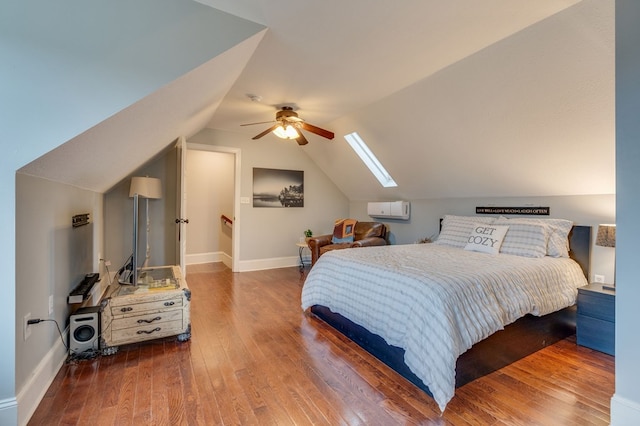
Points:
x=486 y=238
x=456 y=229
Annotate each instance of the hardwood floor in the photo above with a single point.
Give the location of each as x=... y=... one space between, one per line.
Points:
x=256 y=359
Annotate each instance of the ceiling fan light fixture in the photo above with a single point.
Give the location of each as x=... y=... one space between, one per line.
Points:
x=288 y=132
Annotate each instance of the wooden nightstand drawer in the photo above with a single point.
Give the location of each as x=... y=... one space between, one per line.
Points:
x=596 y=334
x=601 y=306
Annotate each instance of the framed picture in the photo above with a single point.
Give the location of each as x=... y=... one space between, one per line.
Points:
x=278 y=188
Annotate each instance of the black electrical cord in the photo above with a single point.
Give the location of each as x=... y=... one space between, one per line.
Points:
x=38 y=320
x=88 y=354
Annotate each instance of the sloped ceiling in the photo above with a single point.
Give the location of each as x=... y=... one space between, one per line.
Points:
x=131 y=137
x=97 y=89
x=332 y=58
x=457 y=98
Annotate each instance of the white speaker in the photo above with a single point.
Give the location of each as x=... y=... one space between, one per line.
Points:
x=84 y=330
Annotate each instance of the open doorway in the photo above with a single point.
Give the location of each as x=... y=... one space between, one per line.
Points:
x=212 y=204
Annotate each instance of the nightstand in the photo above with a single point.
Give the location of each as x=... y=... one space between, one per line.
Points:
x=596 y=319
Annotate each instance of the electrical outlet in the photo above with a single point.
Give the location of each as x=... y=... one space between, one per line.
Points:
x=51 y=304
x=26 y=328
x=598 y=278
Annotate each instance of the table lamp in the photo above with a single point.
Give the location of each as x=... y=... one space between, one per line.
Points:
x=607 y=238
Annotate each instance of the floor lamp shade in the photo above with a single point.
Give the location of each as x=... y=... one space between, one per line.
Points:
x=145 y=187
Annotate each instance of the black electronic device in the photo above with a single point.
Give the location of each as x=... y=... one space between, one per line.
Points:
x=82 y=290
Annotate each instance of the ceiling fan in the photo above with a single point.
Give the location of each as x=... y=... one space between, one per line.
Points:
x=288 y=126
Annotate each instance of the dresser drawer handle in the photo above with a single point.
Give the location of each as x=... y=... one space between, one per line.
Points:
x=140 y=321
x=148 y=332
x=169 y=303
x=127 y=309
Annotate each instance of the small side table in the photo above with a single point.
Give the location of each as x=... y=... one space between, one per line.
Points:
x=301 y=247
x=596 y=318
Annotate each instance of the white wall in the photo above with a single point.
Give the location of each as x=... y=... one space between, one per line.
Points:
x=210 y=194
x=118 y=216
x=625 y=405
x=268 y=235
x=52 y=257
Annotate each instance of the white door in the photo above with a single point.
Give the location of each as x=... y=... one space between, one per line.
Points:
x=181 y=203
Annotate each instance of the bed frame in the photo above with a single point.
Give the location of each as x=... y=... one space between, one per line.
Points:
x=519 y=339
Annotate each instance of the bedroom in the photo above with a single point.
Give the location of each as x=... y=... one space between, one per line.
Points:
x=431 y=210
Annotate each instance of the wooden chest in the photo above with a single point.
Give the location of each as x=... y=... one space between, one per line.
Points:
x=154 y=308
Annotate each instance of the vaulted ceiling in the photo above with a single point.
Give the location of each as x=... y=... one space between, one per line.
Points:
x=457 y=98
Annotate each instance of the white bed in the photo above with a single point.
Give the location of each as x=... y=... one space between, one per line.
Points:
x=435 y=301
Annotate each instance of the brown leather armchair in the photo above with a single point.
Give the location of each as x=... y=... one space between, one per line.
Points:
x=366 y=234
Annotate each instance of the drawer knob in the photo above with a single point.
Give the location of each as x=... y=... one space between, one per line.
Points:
x=169 y=303
x=140 y=321
x=127 y=309
x=148 y=332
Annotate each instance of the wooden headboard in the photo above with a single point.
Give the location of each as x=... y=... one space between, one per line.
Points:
x=580 y=247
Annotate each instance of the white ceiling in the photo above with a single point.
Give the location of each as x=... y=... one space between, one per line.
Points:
x=438 y=88
x=458 y=98
x=333 y=57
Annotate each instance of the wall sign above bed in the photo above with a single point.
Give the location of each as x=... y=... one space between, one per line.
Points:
x=538 y=211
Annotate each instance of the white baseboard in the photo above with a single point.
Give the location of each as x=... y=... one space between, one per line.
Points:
x=8 y=411
x=247 y=265
x=273 y=263
x=39 y=381
x=197 y=258
x=624 y=412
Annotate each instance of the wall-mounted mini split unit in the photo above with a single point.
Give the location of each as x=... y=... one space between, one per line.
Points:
x=390 y=210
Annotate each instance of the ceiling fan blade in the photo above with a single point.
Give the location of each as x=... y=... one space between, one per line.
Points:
x=317 y=130
x=301 y=139
x=270 y=129
x=260 y=122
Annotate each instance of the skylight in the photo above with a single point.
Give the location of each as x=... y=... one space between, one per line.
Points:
x=365 y=154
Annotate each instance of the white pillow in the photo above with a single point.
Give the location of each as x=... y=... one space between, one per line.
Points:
x=558 y=244
x=456 y=229
x=486 y=238
x=525 y=239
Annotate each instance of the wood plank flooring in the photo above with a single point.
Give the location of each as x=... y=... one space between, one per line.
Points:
x=256 y=359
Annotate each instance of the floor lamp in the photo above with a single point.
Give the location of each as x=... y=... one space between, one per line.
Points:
x=147 y=188
x=607 y=238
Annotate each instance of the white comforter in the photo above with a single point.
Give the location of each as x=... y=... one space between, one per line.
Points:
x=436 y=301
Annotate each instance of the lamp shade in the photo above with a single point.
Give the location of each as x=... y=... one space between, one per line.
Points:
x=606 y=236
x=145 y=187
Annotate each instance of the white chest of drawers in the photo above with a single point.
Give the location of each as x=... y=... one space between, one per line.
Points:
x=145 y=312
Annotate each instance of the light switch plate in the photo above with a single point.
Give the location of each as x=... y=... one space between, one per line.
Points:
x=244 y=200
